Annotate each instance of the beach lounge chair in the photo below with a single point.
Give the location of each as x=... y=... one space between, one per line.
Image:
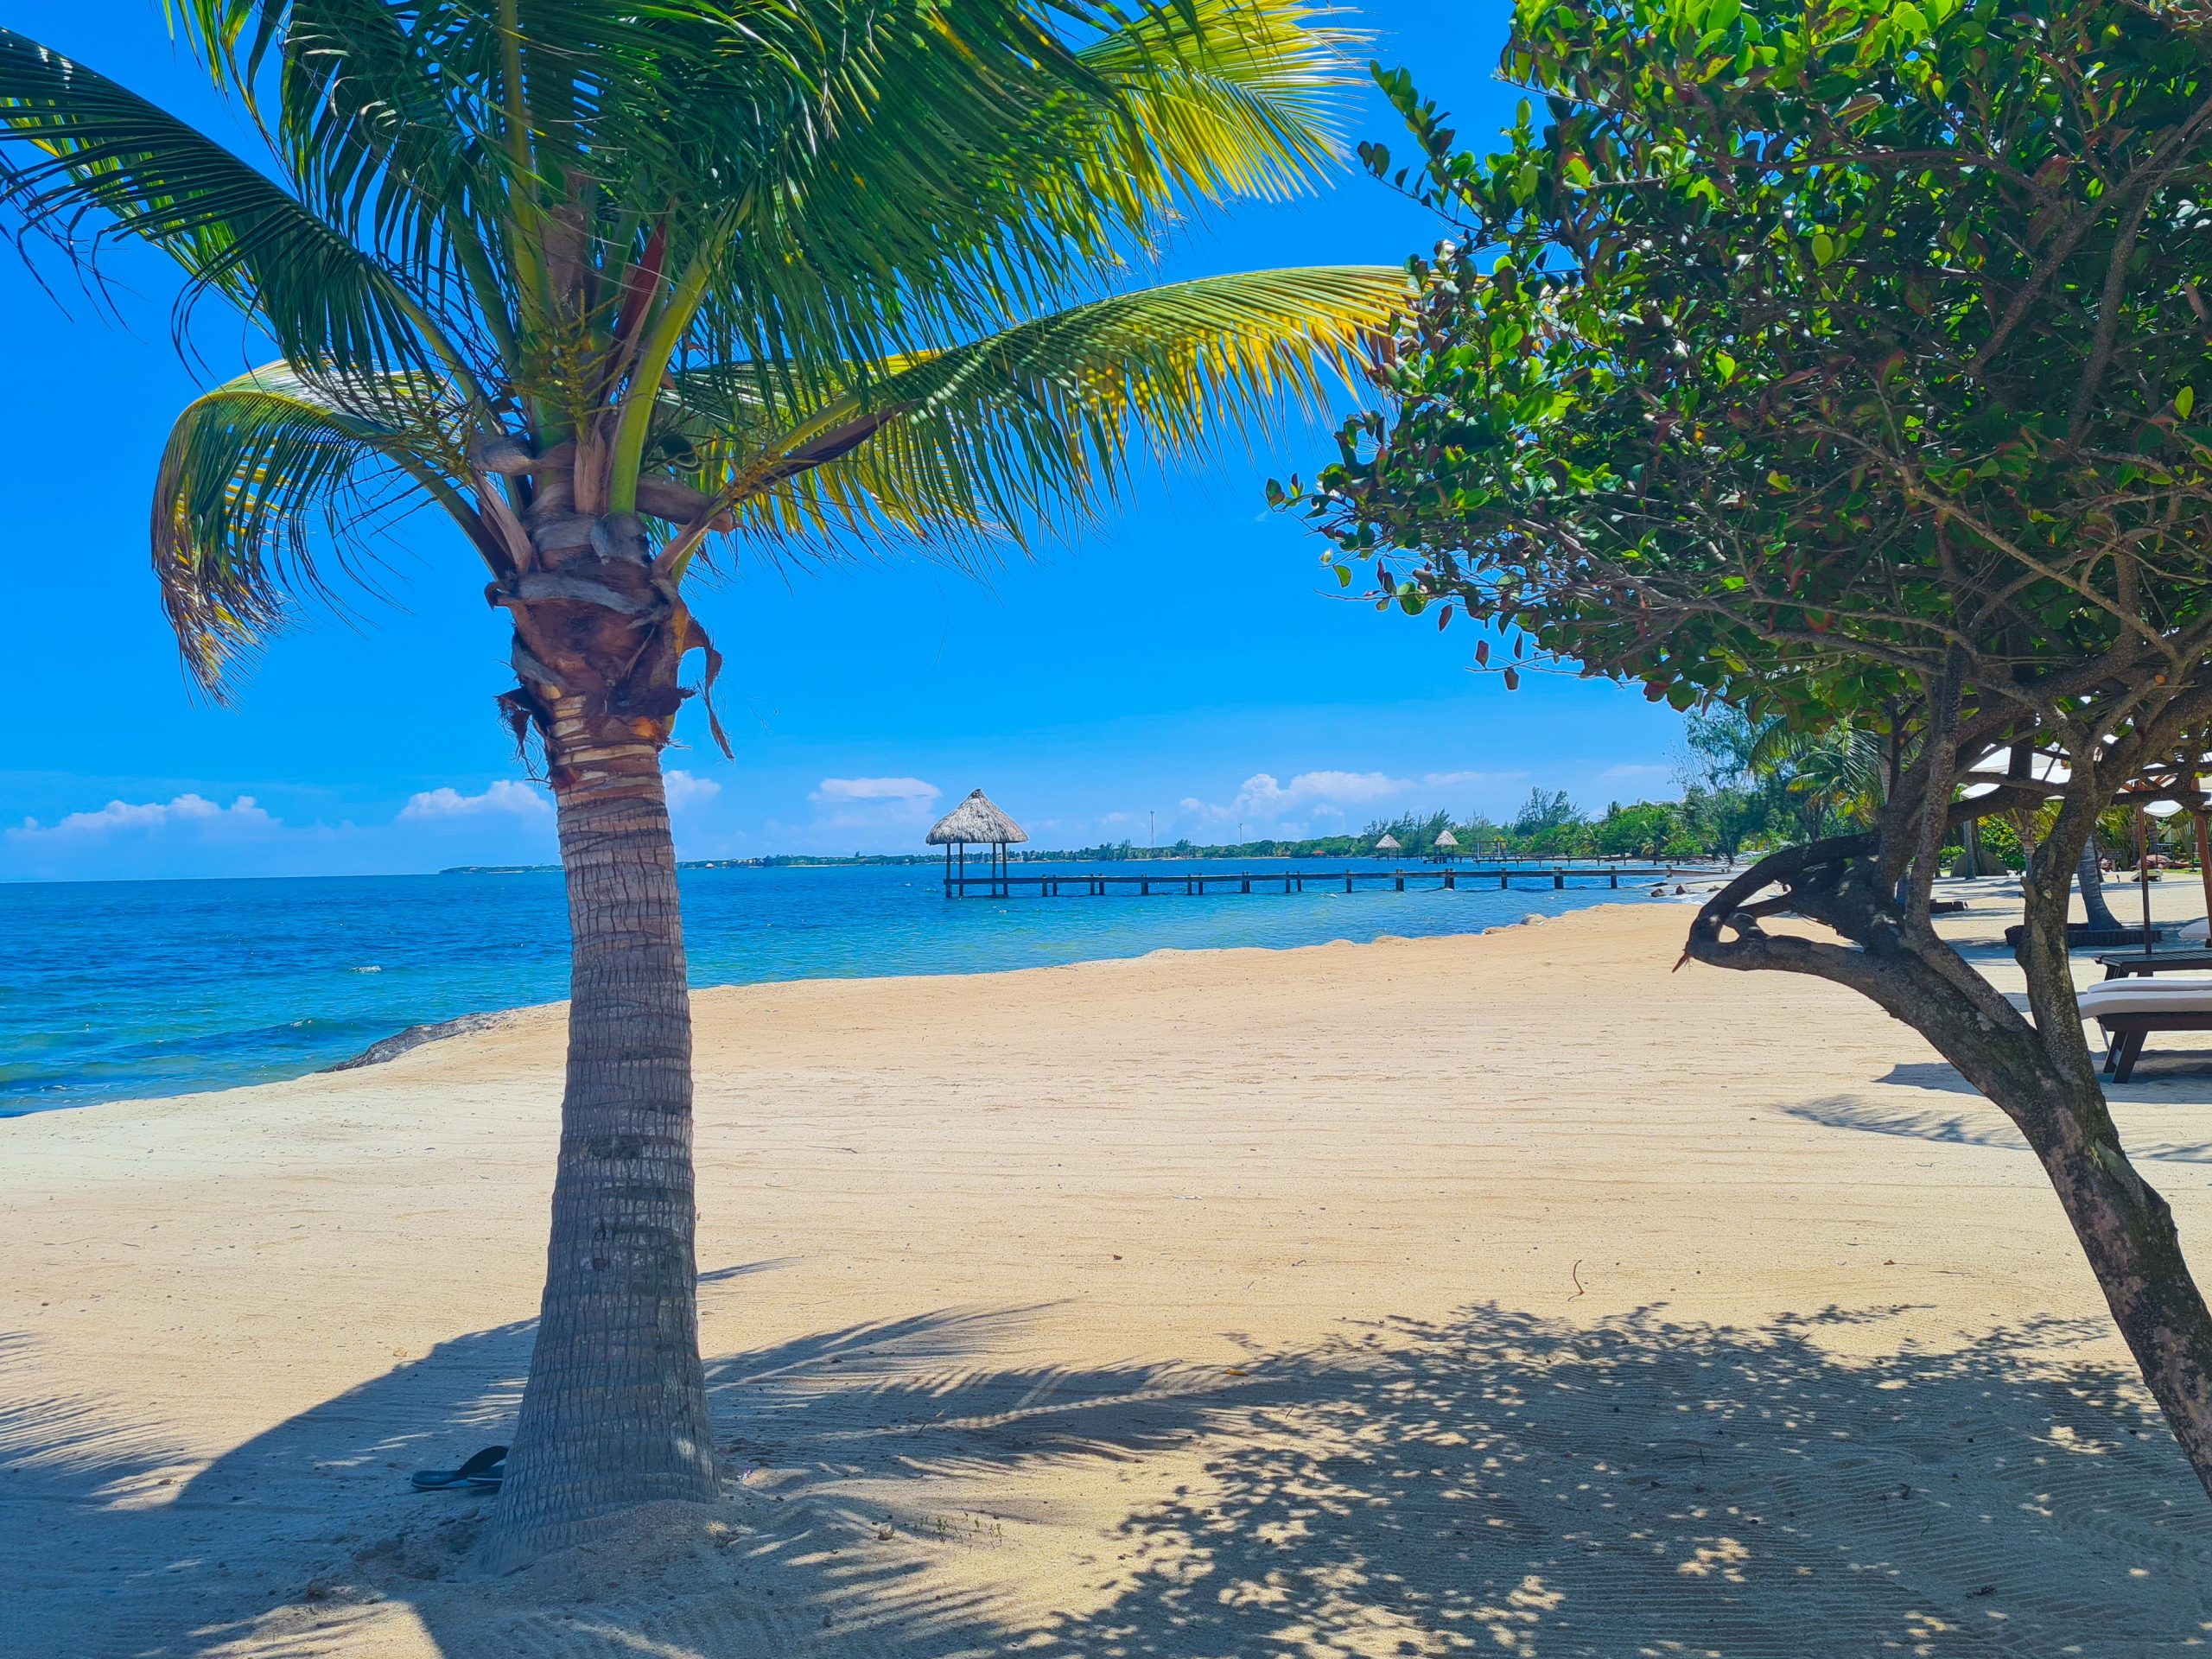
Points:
x=2130 y=1009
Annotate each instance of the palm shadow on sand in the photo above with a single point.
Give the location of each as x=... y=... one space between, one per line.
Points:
x=1500 y=1483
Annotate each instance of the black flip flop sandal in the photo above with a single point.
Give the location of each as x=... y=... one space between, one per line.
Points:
x=489 y=1464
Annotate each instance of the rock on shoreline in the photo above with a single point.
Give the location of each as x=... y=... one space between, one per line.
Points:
x=391 y=1048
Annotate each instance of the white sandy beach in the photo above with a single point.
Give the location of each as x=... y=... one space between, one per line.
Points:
x=1502 y=1295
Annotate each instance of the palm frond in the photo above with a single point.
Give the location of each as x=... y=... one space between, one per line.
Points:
x=83 y=159
x=1234 y=98
x=936 y=181
x=541 y=208
x=265 y=470
x=1042 y=419
x=379 y=125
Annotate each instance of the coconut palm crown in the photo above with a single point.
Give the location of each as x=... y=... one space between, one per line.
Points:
x=613 y=285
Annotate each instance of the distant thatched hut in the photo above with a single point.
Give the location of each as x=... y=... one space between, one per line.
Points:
x=1447 y=842
x=976 y=820
x=1387 y=844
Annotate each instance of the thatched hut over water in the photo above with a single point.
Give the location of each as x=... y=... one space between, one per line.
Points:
x=1387 y=844
x=977 y=821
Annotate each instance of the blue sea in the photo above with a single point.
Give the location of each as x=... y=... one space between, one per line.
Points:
x=128 y=989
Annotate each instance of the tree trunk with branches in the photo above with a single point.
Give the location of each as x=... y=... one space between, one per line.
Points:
x=2037 y=1070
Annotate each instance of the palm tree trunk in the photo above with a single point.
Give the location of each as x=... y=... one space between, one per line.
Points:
x=2089 y=877
x=615 y=1412
x=1969 y=864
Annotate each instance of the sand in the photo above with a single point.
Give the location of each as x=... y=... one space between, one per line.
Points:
x=1501 y=1295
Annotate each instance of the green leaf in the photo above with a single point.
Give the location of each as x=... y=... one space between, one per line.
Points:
x=259 y=469
x=968 y=445
x=82 y=143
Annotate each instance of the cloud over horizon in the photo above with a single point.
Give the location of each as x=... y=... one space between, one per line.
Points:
x=242 y=816
x=504 y=796
x=686 y=789
x=853 y=813
x=838 y=791
x=1265 y=803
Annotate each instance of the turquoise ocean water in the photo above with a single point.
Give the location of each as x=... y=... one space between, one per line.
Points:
x=126 y=989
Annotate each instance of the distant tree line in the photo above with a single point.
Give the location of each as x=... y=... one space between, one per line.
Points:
x=1746 y=786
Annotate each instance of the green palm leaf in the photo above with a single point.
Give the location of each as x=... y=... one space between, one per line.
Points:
x=1039 y=419
x=1236 y=97
x=934 y=197
x=267 y=470
x=100 y=161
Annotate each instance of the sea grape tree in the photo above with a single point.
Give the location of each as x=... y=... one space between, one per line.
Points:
x=1851 y=363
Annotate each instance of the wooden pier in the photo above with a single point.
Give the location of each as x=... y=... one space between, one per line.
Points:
x=1001 y=884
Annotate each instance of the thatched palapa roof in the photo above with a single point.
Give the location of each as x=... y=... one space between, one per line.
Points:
x=1445 y=838
x=1387 y=844
x=977 y=821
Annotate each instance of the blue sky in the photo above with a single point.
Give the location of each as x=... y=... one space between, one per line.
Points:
x=1184 y=661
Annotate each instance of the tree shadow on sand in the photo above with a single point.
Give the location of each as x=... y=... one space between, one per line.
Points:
x=1929 y=1074
x=1981 y=1125
x=1500 y=1483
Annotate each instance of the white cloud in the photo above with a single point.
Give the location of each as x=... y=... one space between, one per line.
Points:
x=1265 y=798
x=686 y=789
x=1341 y=788
x=191 y=834
x=523 y=800
x=241 y=816
x=504 y=796
x=878 y=813
x=1323 y=802
x=835 y=791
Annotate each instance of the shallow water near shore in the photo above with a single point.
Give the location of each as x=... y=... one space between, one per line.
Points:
x=126 y=989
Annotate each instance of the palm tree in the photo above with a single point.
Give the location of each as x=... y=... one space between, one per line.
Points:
x=605 y=279
x=1838 y=774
